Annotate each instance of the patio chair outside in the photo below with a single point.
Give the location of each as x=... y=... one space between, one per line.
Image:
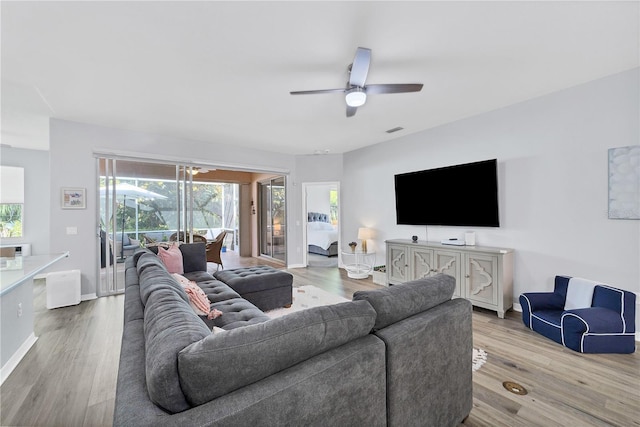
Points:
x=214 y=248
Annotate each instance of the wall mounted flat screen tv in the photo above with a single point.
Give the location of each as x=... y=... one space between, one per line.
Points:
x=464 y=195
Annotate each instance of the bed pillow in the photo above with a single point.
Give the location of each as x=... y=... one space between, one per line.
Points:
x=320 y=226
x=171 y=258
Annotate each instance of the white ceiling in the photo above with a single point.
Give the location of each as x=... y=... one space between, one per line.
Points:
x=222 y=71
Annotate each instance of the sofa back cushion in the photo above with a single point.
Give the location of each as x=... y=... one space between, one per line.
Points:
x=398 y=302
x=171 y=258
x=194 y=256
x=152 y=275
x=225 y=361
x=170 y=325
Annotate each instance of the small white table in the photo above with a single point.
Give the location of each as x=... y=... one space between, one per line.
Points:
x=358 y=264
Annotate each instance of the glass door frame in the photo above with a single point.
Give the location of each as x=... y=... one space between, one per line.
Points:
x=272 y=229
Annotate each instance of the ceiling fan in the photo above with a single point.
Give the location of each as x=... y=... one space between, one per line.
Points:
x=356 y=91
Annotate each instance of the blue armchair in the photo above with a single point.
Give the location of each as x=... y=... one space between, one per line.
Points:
x=583 y=315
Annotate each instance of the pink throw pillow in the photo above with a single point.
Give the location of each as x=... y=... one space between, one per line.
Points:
x=171 y=258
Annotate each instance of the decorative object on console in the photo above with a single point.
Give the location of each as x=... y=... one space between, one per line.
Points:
x=454 y=242
x=470 y=238
x=364 y=234
x=353 y=245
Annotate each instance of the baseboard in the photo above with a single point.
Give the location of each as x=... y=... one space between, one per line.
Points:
x=87 y=297
x=17 y=357
x=296 y=266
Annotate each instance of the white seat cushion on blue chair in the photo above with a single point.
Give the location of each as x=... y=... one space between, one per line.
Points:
x=579 y=293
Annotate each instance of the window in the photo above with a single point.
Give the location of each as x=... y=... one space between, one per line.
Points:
x=11 y=201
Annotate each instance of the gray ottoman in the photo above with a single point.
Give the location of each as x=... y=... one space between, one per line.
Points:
x=265 y=287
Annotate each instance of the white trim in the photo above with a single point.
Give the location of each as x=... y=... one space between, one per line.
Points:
x=17 y=357
x=545 y=321
x=296 y=266
x=157 y=158
x=87 y=297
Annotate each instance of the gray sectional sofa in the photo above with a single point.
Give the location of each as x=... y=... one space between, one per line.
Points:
x=398 y=356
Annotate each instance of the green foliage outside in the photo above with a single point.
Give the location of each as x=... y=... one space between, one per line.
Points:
x=10 y=220
x=162 y=214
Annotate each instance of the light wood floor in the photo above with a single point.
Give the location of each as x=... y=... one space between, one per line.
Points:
x=68 y=378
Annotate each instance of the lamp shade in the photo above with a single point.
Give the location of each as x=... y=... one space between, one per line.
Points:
x=364 y=233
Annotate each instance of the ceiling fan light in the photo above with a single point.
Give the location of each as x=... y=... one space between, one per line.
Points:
x=356 y=97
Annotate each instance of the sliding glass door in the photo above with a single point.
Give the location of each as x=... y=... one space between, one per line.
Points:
x=272 y=220
x=145 y=203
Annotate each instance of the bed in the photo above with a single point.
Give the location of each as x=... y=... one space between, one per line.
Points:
x=322 y=236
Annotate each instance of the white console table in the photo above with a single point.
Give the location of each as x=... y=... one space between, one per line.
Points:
x=484 y=275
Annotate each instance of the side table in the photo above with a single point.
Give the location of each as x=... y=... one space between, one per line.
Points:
x=358 y=264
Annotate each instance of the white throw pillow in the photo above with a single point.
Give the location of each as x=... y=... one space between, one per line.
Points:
x=579 y=293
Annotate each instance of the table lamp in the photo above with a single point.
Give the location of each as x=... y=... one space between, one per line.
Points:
x=364 y=234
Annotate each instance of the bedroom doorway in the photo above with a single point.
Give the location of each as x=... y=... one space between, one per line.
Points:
x=322 y=227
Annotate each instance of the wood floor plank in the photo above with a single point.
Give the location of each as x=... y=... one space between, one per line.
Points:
x=68 y=377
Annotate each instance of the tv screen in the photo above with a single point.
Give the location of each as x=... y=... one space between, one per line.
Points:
x=465 y=195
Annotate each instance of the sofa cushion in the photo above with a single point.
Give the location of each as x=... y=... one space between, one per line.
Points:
x=398 y=302
x=194 y=256
x=170 y=325
x=153 y=276
x=172 y=259
x=226 y=361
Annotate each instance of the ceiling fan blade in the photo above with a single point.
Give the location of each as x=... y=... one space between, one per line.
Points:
x=351 y=111
x=360 y=67
x=393 y=88
x=311 y=92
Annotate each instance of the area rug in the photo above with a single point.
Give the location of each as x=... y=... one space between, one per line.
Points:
x=479 y=358
x=310 y=296
x=306 y=297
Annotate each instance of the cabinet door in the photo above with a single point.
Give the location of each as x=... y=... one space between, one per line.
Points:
x=481 y=275
x=397 y=264
x=421 y=263
x=448 y=262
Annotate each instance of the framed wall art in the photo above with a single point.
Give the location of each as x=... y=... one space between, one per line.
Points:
x=74 y=198
x=624 y=182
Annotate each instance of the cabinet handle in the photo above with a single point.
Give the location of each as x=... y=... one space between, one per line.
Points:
x=467 y=276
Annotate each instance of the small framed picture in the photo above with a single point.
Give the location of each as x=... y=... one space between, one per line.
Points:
x=74 y=198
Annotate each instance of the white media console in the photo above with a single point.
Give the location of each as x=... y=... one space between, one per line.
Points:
x=484 y=275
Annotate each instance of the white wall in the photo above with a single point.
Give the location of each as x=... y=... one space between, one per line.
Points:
x=72 y=147
x=552 y=160
x=318 y=198
x=36 y=196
